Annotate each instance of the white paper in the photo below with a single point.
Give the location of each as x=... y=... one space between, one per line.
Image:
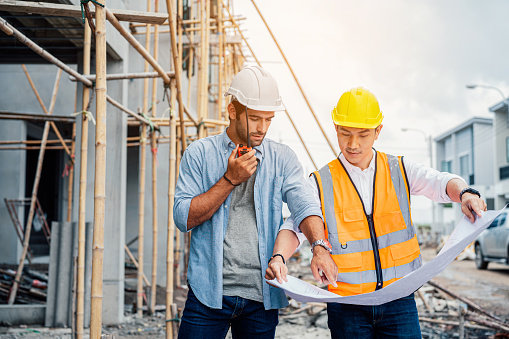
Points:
x=464 y=233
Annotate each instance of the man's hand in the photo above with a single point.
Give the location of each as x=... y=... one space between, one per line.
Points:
x=277 y=269
x=242 y=168
x=472 y=205
x=324 y=269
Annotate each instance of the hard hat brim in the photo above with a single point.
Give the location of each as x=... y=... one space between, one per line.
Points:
x=358 y=125
x=245 y=101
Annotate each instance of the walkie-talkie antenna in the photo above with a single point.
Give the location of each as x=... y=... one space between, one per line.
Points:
x=247 y=124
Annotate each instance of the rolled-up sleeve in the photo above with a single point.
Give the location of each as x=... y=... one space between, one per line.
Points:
x=428 y=181
x=290 y=223
x=189 y=185
x=296 y=192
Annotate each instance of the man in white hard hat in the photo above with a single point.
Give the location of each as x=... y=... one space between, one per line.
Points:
x=365 y=200
x=233 y=204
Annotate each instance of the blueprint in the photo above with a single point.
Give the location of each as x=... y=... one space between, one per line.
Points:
x=464 y=233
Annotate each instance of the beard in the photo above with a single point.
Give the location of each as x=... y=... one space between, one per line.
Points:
x=242 y=133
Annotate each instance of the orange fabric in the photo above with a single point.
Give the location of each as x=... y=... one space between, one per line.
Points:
x=352 y=224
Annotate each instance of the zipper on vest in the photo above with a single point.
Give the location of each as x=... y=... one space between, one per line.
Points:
x=376 y=254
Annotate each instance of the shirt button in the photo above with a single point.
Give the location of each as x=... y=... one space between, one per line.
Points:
x=225 y=206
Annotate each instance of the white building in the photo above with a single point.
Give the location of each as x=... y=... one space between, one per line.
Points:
x=467 y=150
x=501 y=152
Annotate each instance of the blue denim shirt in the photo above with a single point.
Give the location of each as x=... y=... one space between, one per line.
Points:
x=279 y=178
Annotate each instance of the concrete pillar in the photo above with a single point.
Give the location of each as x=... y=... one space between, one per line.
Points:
x=12 y=181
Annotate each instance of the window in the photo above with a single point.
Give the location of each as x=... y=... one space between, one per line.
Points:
x=464 y=168
x=491 y=203
x=447 y=166
x=507 y=149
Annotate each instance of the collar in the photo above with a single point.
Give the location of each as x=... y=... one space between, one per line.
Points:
x=349 y=167
x=229 y=145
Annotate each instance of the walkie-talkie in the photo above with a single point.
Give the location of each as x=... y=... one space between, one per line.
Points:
x=244 y=149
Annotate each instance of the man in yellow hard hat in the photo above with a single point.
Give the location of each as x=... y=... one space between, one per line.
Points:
x=365 y=200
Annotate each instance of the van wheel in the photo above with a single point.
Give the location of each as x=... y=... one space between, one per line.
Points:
x=479 y=259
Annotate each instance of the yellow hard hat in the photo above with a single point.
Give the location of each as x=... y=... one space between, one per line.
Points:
x=357 y=108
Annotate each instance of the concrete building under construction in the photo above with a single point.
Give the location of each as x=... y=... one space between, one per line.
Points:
x=97 y=103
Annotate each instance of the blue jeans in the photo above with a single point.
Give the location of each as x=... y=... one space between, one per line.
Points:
x=247 y=318
x=395 y=319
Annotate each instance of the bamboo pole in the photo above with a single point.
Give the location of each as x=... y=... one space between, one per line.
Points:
x=171 y=223
x=153 y=146
x=176 y=66
x=100 y=173
x=28 y=227
x=32 y=142
x=286 y=111
x=12 y=31
x=185 y=22
x=178 y=244
x=220 y=70
x=297 y=81
x=141 y=183
x=126 y=76
x=191 y=57
x=80 y=305
x=30 y=148
x=135 y=262
x=180 y=11
x=204 y=60
x=131 y=113
x=137 y=46
x=71 y=171
x=52 y=124
x=200 y=15
x=36 y=117
x=6 y=27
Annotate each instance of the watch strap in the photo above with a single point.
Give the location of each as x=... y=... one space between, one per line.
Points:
x=324 y=243
x=277 y=255
x=469 y=190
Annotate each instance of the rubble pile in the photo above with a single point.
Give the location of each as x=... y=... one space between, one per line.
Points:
x=32 y=289
x=444 y=314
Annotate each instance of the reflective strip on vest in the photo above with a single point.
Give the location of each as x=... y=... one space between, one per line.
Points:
x=388 y=273
x=400 y=186
x=328 y=194
x=342 y=247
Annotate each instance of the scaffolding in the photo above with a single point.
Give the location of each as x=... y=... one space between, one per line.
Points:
x=191 y=43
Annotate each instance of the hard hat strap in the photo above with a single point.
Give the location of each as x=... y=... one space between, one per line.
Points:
x=247 y=124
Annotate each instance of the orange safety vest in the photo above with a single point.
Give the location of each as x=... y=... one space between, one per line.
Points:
x=371 y=251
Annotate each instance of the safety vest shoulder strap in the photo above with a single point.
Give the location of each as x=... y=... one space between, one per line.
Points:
x=400 y=183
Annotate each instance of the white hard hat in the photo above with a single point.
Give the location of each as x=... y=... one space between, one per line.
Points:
x=255 y=88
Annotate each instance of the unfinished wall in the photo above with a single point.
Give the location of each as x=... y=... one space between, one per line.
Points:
x=12 y=181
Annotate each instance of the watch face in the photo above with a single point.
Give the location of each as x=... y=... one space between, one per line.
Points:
x=327 y=243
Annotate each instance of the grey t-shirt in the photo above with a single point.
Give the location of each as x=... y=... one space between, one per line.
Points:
x=241 y=258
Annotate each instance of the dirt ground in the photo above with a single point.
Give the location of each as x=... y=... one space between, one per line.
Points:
x=488 y=288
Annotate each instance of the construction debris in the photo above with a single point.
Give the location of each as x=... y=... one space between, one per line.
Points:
x=32 y=287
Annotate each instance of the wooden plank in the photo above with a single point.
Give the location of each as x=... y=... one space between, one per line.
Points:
x=49 y=9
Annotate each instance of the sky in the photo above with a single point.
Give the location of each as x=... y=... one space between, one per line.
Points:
x=415 y=56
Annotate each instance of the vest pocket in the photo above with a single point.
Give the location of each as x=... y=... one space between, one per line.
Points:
x=401 y=251
x=390 y=222
x=348 y=261
x=354 y=225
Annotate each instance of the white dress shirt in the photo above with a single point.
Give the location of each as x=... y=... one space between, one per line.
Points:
x=423 y=181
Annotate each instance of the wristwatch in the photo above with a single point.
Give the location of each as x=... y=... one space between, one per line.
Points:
x=469 y=190
x=324 y=243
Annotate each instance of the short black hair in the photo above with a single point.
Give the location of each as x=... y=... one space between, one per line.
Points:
x=239 y=108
